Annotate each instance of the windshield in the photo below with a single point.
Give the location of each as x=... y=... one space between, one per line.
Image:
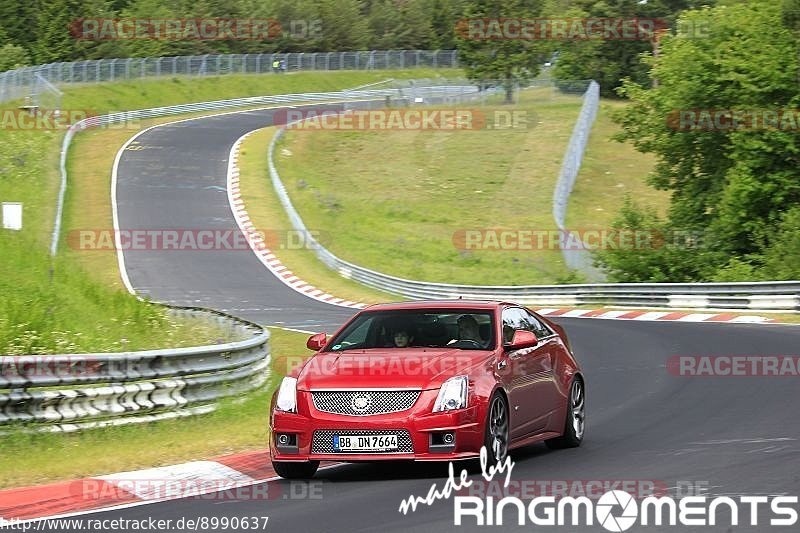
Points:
x=461 y=329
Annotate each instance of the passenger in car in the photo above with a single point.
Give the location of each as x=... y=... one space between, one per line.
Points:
x=402 y=338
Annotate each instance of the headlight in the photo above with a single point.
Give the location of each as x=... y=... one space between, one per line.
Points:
x=287 y=396
x=452 y=395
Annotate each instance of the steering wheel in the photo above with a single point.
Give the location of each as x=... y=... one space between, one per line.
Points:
x=469 y=343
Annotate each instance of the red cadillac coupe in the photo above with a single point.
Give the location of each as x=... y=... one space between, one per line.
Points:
x=429 y=381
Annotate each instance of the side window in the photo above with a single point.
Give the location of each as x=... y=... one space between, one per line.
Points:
x=516 y=318
x=536 y=326
x=512 y=321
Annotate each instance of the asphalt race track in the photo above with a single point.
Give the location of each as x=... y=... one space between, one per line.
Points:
x=735 y=436
x=174 y=176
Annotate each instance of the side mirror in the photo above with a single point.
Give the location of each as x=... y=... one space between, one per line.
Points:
x=317 y=342
x=522 y=339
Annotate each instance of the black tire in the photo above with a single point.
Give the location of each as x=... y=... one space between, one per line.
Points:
x=302 y=470
x=497 y=424
x=575 y=423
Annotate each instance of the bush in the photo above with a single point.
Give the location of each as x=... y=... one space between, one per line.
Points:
x=13 y=56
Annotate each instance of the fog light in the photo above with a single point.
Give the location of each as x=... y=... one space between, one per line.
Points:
x=448 y=438
x=283 y=439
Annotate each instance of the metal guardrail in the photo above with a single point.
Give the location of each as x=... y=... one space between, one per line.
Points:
x=576 y=259
x=16 y=84
x=763 y=295
x=71 y=392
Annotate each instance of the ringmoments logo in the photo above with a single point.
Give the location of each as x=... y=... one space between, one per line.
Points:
x=618 y=510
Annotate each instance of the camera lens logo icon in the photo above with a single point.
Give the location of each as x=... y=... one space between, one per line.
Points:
x=616 y=522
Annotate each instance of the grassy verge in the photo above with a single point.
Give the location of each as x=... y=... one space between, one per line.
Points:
x=236 y=426
x=395 y=200
x=156 y=92
x=56 y=306
x=268 y=215
x=609 y=171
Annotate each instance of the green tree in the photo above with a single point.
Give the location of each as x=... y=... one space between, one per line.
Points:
x=13 y=56
x=782 y=257
x=344 y=26
x=399 y=25
x=444 y=15
x=610 y=61
x=18 y=21
x=505 y=61
x=55 y=31
x=733 y=185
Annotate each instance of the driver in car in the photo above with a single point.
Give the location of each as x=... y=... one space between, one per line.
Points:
x=469 y=331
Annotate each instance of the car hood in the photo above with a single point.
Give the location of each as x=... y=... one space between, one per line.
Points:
x=423 y=368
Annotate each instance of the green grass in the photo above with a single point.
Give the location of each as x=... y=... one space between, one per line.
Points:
x=52 y=307
x=393 y=200
x=66 y=311
x=267 y=214
x=156 y=92
x=609 y=171
x=238 y=425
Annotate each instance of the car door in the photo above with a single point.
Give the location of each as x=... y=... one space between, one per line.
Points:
x=543 y=365
x=523 y=374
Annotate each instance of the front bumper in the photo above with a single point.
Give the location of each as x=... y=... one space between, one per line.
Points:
x=418 y=429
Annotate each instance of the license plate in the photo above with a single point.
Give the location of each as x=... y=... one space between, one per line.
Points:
x=364 y=443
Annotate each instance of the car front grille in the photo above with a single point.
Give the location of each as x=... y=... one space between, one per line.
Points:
x=322 y=442
x=364 y=402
